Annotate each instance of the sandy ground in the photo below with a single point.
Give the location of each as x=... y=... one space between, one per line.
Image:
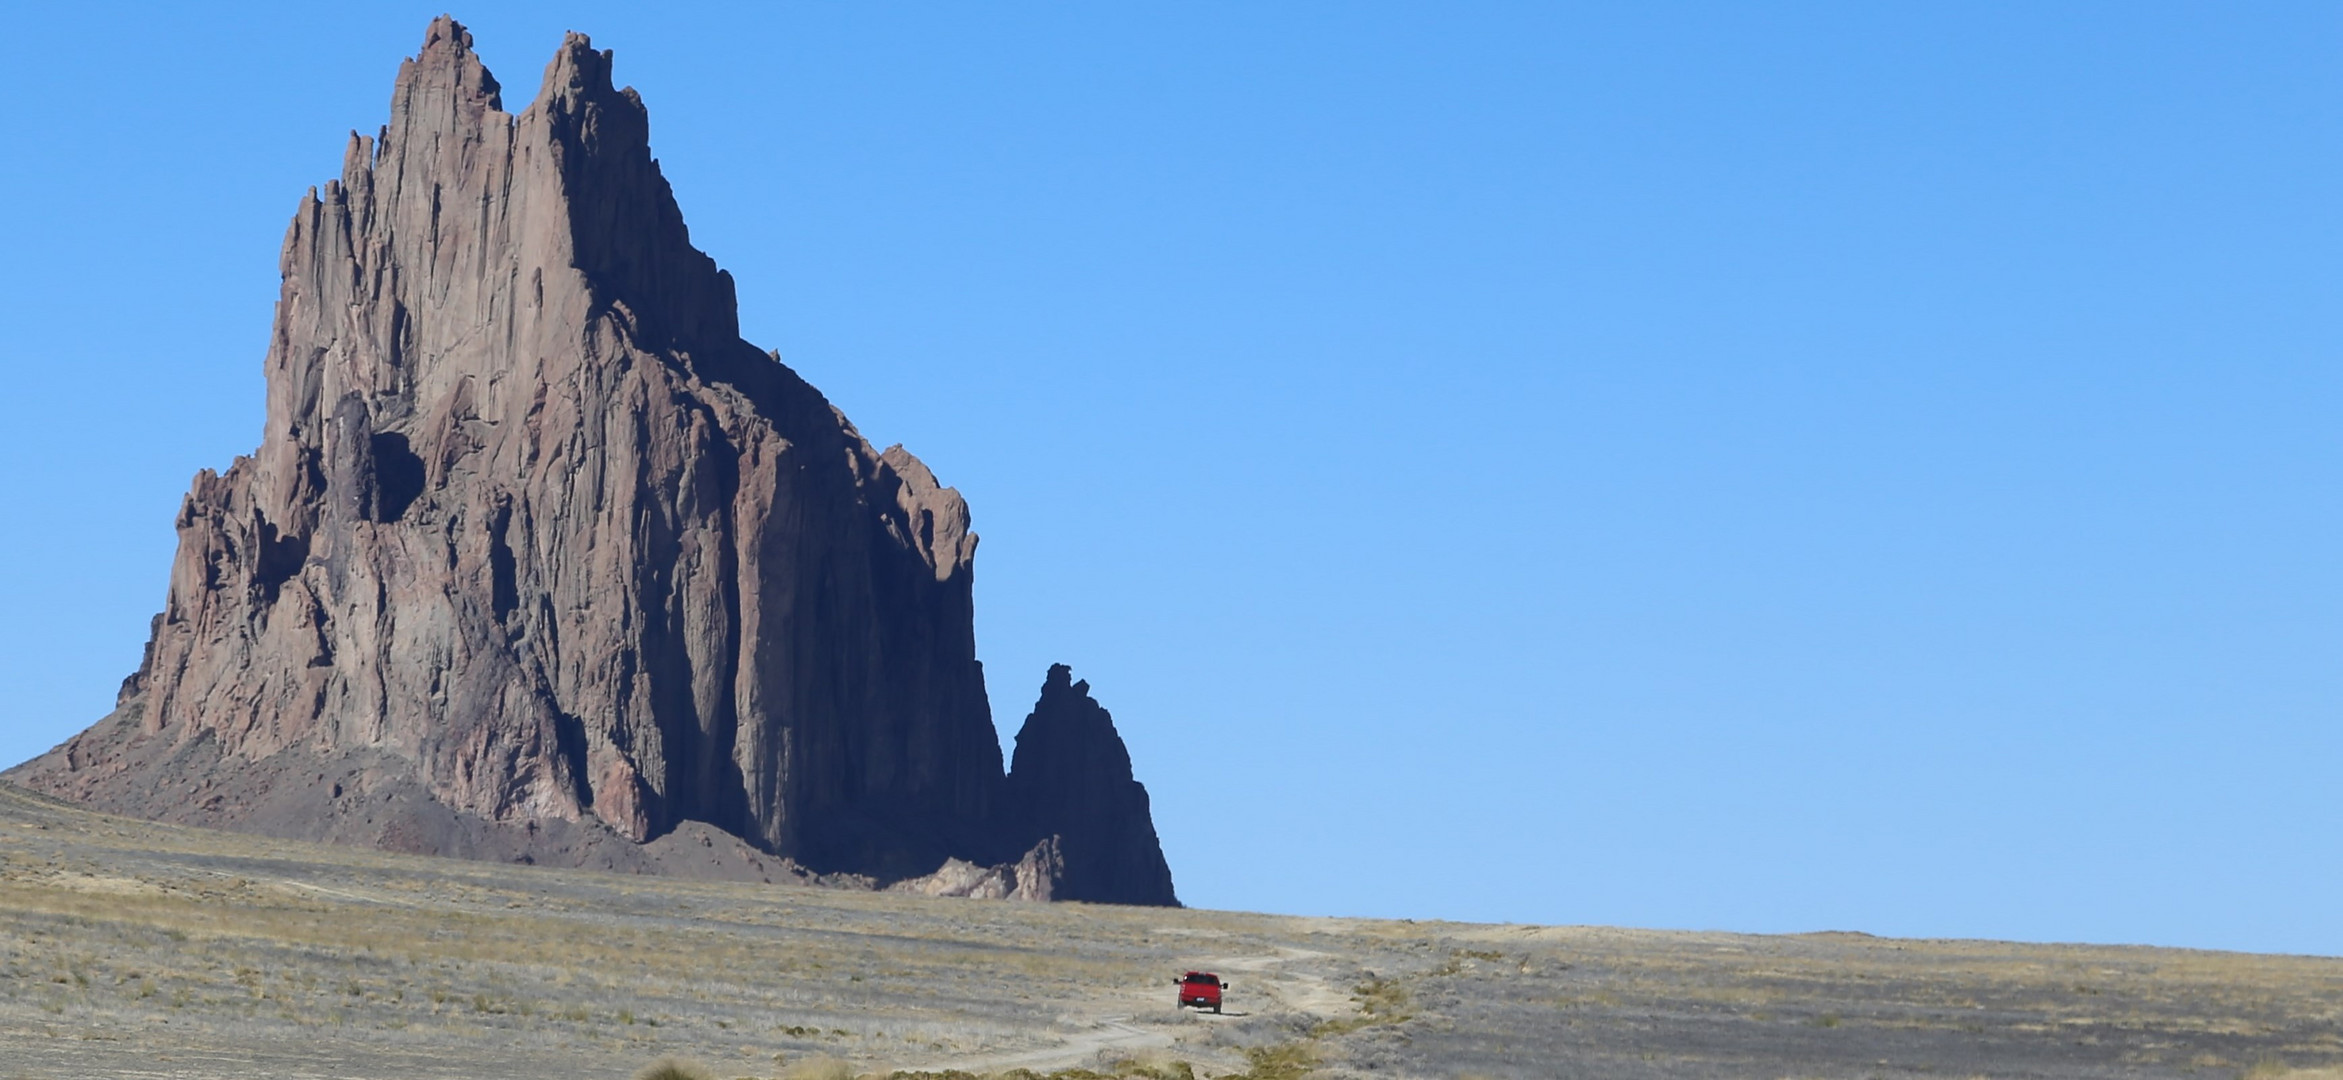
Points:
x=129 y=949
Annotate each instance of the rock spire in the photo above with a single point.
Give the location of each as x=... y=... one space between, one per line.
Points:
x=1071 y=781
x=538 y=560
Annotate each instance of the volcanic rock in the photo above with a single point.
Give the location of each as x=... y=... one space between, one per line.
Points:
x=1071 y=782
x=538 y=560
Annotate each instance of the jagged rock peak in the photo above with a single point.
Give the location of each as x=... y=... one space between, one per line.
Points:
x=445 y=63
x=537 y=558
x=1068 y=721
x=1071 y=779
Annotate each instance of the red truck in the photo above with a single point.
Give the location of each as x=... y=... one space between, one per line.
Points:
x=1200 y=989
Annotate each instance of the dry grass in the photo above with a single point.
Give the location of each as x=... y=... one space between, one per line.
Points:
x=2273 y=1069
x=821 y=1068
x=130 y=949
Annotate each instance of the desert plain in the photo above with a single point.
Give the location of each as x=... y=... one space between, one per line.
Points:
x=133 y=949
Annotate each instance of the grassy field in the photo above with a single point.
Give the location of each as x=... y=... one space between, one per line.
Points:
x=129 y=949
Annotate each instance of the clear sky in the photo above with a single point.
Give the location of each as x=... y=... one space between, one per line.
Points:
x=1760 y=467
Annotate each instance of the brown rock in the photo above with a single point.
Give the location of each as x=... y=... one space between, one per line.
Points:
x=537 y=558
x=1037 y=876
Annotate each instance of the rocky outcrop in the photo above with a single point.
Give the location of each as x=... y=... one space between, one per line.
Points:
x=1037 y=876
x=1071 y=783
x=538 y=560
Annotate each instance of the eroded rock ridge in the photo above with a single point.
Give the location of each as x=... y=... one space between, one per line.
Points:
x=538 y=560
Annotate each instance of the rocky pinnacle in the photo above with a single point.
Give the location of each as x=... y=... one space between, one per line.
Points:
x=538 y=560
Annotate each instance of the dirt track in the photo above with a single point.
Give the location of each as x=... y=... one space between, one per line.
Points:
x=1100 y=1036
x=135 y=950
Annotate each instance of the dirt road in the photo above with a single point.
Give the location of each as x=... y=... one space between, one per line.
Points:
x=136 y=950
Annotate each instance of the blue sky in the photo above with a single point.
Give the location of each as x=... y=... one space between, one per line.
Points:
x=1818 y=466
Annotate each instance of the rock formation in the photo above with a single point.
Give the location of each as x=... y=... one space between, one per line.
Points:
x=538 y=560
x=1071 y=781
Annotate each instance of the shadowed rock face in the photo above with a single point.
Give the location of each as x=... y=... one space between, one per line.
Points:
x=1071 y=781
x=536 y=550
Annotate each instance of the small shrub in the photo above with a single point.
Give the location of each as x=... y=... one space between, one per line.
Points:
x=1380 y=997
x=673 y=1069
x=2271 y=1068
x=821 y=1068
x=1285 y=1061
x=1381 y=1001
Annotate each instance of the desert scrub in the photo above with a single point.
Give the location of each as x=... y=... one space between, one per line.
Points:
x=1177 y=1070
x=820 y=1069
x=1461 y=959
x=2274 y=1069
x=1381 y=997
x=1285 y=1061
x=673 y=1069
x=1122 y=1070
x=1380 y=1000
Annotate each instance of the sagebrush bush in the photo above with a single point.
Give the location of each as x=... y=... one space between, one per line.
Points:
x=672 y=1069
x=1285 y=1061
x=819 y=1069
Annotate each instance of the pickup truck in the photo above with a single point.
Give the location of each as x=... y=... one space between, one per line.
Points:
x=1200 y=989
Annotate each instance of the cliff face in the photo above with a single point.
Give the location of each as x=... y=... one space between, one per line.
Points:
x=1071 y=782
x=537 y=558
